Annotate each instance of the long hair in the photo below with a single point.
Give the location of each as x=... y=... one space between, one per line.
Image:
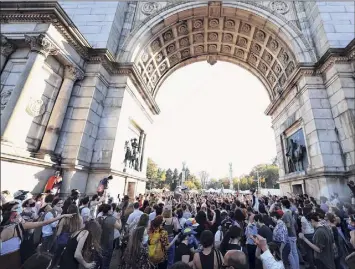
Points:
x=6 y=212
x=93 y=239
x=74 y=223
x=134 y=245
x=143 y=220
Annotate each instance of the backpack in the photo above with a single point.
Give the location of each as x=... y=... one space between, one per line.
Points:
x=37 y=233
x=169 y=228
x=156 y=254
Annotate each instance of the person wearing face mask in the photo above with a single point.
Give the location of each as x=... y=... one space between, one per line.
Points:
x=29 y=210
x=48 y=231
x=12 y=230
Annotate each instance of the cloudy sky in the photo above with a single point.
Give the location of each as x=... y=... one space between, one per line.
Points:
x=211 y=116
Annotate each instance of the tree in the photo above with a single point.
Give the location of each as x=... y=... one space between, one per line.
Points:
x=269 y=172
x=152 y=172
x=187 y=173
x=169 y=178
x=152 y=169
x=213 y=184
x=175 y=179
x=203 y=178
x=224 y=182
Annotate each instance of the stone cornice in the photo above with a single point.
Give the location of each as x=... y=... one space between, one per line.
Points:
x=45 y=12
x=104 y=57
x=332 y=56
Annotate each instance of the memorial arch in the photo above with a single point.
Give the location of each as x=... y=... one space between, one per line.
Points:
x=103 y=100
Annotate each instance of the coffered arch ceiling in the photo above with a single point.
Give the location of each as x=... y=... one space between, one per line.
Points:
x=227 y=34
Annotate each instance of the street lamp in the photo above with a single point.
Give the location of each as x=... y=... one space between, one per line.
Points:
x=230 y=176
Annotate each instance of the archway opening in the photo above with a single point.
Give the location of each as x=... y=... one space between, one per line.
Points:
x=211 y=116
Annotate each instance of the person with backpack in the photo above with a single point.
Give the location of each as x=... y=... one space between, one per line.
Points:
x=158 y=243
x=108 y=224
x=48 y=231
x=12 y=229
x=208 y=257
x=171 y=225
x=65 y=228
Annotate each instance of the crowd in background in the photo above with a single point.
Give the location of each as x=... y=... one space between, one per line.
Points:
x=176 y=230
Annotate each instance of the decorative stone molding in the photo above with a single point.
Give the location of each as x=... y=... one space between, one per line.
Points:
x=6 y=47
x=5 y=96
x=51 y=12
x=150 y=7
x=248 y=5
x=73 y=73
x=41 y=44
x=223 y=36
x=279 y=7
x=35 y=107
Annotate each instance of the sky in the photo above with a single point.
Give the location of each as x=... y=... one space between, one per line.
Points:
x=212 y=116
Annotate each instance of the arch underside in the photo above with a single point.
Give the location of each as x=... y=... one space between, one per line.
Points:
x=231 y=35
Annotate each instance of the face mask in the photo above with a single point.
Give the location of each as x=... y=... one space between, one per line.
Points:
x=145 y=239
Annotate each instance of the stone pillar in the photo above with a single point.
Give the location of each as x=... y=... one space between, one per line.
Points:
x=25 y=103
x=6 y=49
x=71 y=74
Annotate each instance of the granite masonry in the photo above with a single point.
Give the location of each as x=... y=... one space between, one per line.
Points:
x=79 y=80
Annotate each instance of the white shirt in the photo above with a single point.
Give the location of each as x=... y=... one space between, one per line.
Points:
x=134 y=215
x=85 y=213
x=307 y=227
x=152 y=216
x=48 y=229
x=269 y=261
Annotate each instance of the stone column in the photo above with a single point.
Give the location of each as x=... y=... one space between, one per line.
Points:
x=25 y=103
x=6 y=49
x=71 y=74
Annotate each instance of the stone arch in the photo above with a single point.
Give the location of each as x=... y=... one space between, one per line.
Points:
x=246 y=34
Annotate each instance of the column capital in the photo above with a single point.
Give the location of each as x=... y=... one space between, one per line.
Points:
x=42 y=45
x=73 y=73
x=6 y=46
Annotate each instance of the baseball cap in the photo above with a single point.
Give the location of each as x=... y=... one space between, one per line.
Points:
x=191 y=222
x=188 y=231
x=20 y=193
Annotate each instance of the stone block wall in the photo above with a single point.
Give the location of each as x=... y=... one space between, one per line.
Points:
x=340 y=87
x=53 y=76
x=100 y=21
x=24 y=176
x=331 y=24
x=11 y=73
x=81 y=124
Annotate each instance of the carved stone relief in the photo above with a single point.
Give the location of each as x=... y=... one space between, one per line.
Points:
x=42 y=45
x=6 y=47
x=279 y=6
x=150 y=7
x=5 y=96
x=35 y=107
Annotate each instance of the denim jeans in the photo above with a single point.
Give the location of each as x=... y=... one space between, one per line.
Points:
x=293 y=257
x=285 y=253
x=171 y=253
x=106 y=258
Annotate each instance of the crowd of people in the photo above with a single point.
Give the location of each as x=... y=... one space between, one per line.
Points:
x=176 y=230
